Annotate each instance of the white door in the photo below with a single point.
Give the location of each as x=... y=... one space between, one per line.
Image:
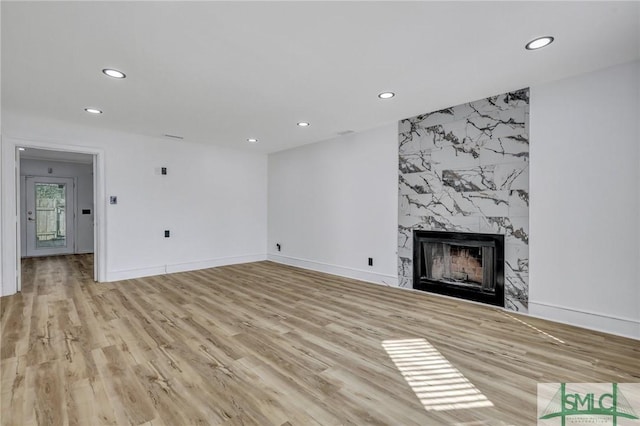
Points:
x=50 y=211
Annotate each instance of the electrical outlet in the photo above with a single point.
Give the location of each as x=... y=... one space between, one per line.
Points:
x=113 y=199
x=167 y=234
x=371 y=261
x=163 y=170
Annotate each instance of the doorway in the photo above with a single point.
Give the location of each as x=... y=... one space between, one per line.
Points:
x=57 y=204
x=50 y=216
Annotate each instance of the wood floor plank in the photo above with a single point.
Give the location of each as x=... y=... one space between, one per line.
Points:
x=174 y=403
x=48 y=386
x=128 y=398
x=13 y=379
x=268 y=344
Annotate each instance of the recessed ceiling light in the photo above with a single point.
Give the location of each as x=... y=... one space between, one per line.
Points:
x=114 y=73
x=539 y=43
x=386 y=95
x=252 y=140
x=303 y=124
x=20 y=149
x=93 y=111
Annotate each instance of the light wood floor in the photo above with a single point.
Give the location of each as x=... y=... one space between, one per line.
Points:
x=265 y=344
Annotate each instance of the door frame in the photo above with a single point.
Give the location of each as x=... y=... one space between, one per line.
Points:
x=73 y=190
x=11 y=273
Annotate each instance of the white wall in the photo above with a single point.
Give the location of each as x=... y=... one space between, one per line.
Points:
x=333 y=204
x=213 y=200
x=83 y=173
x=585 y=192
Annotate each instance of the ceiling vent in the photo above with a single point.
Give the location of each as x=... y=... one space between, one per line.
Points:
x=173 y=136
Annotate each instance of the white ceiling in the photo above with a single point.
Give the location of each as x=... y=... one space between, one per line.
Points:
x=222 y=72
x=45 y=154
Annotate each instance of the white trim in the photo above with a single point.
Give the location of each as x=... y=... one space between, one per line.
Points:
x=620 y=326
x=18 y=279
x=9 y=215
x=10 y=244
x=84 y=252
x=100 y=216
x=127 y=274
x=1 y=216
x=75 y=214
x=342 y=271
x=213 y=263
x=49 y=160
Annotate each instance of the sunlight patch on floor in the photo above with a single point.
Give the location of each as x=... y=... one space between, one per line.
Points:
x=438 y=385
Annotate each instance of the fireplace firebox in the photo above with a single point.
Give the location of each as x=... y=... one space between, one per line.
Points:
x=460 y=264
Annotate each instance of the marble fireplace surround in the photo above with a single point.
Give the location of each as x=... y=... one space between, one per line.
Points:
x=466 y=169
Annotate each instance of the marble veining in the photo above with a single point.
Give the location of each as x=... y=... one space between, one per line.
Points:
x=466 y=168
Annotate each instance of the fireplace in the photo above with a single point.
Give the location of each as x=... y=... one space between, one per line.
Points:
x=459 y=264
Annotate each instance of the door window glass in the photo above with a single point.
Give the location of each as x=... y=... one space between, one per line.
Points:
x=51 y=218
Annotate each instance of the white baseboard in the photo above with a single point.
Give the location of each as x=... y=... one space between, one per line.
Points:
x=342 y=271
x=213 y=263
x=127 y=274
x=625 y=327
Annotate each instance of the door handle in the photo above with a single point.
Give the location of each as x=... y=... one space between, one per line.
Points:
x=31 y=219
